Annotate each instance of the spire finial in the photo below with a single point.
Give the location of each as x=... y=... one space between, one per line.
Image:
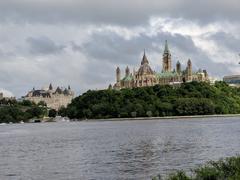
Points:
x=144 y=59
x=166 y=50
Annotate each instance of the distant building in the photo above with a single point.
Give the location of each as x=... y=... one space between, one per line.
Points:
x=54 y=98
x=145 y=76
x=5 y=97
x=233 y=80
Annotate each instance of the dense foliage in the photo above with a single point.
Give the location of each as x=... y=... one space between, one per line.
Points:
x=195 y=98
x=220 y=170
x=13 y=111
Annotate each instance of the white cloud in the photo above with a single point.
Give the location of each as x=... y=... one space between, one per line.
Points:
x=6 y=93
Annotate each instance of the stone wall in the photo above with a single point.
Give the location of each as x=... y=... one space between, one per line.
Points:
x=54 y=102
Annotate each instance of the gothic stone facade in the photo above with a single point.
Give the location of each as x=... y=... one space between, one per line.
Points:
x=145 y=76
x=54 y=98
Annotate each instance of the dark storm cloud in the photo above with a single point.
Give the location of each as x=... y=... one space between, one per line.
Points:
x=109 y=47
x=215 y=69
x=122 y=12
x=43 y=46
x=34 y=30
x=227 y=40
x=112 y=47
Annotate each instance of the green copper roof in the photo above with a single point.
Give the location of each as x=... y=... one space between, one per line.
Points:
x=166 y=74
x=127 y=78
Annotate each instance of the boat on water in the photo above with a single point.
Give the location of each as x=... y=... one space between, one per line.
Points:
x=35 y=121
x=61 y=119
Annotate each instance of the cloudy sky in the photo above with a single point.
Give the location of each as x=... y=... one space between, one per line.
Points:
x=81 y=42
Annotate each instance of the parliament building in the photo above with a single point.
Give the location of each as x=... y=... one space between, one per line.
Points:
x=145 y=76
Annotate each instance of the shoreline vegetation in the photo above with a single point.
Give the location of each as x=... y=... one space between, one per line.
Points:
x=228 y=168
x=65 y=119
x=164 y=118
x=188 y=100
x=193 y=99
x=12 y=111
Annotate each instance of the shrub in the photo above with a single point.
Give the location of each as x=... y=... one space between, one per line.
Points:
x=228 y=168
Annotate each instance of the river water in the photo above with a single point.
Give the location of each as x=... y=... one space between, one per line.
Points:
x=113 y=150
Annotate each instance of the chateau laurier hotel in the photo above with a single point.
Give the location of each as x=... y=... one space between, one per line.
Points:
x=145 y=76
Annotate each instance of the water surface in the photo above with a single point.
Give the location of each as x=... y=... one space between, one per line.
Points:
x=114 y=150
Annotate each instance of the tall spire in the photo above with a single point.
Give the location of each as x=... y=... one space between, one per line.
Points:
x=178 y=67
x=127 y=71
x=166 y=49
x=118 y=74
x=144 y=59
x=50 y=87
x=167 y=62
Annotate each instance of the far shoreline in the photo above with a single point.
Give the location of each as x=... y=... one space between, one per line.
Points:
x=160 y=118
x=136 y=119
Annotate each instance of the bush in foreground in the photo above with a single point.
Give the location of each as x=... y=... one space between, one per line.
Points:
x=228 y=169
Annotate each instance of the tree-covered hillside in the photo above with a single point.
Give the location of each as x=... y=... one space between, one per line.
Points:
x=13 y=111
x=195 y=98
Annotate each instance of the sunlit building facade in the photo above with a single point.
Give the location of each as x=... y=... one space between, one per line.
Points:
x=145 y=76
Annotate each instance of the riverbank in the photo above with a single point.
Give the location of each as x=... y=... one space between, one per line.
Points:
x=165 y=117
x=64 y=119
x=41 y=120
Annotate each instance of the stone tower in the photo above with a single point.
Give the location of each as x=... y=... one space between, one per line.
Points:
x=178 y=67
x=118 y=74
x=127 y=71
x=167 y=62
x=189 y=70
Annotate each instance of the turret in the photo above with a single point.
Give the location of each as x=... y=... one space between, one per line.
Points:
x=110 y=87
x=127 y=72
x=59 y=90
x=167 y=62
x=66 y=92
x=205 y=73
x=50 y=87
x=118 y=74
x=178 y=67
x=189 y=70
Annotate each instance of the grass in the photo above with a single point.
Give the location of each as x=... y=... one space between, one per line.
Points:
x=224 y=169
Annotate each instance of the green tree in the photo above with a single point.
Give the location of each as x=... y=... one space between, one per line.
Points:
x=52 y=113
